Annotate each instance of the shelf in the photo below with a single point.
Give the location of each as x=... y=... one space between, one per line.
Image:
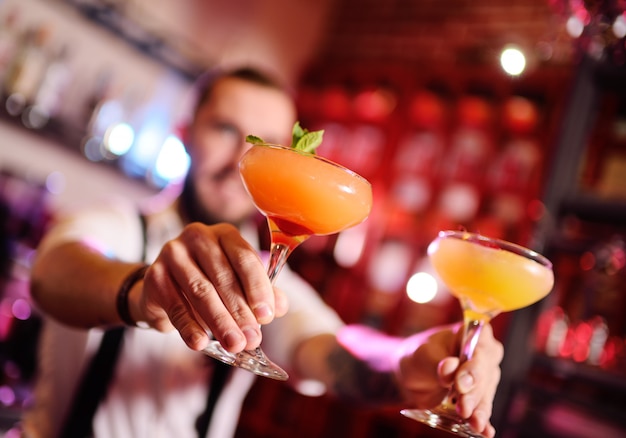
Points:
x=162 y=47
x=564 y=398
x=540 y=395
x=549 y=413
x=565 y=369
x=595 y=208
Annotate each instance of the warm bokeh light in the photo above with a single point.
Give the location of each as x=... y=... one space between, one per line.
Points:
x=619 y=26
x=350 y=245
x=459 y=201
x=536 y=210
x=390 y=265
x=421 y=287
x=310 y=388
x=374 y=105
x=513 y=61
x=574 y=26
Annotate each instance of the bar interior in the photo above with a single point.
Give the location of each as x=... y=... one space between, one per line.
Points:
x=506 y=118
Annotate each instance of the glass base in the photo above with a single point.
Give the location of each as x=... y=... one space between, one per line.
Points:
x=442 y=419
x=250 y=360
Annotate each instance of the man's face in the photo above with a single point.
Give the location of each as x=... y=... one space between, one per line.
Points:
x=216 y=142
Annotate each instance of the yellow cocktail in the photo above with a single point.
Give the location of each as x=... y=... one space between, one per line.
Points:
x=488 y=276
x=491 y=279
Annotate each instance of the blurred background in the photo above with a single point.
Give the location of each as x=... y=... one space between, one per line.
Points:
x=503 y=117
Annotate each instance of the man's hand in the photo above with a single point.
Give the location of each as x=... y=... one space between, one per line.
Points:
x=210 y=278
x=428 y=367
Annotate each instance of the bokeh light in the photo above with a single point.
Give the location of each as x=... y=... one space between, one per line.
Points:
x=119 y=138
x=422 y=287
x=513 y=61
x=56 y=182
x=390 y=266
x=350 y=246
x=619 y=26
x=173 y=161
x=575 y=26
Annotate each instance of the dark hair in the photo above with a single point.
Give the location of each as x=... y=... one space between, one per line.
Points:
x=206 y=82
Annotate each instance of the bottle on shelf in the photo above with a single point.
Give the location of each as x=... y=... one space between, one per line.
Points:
x=27 y=69
x=9 y=42
x=47 y=101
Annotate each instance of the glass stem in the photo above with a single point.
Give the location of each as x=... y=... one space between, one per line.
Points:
x=278 y=257
x=471 y=331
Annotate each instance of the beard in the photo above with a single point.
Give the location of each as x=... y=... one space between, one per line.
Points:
x=191 y=208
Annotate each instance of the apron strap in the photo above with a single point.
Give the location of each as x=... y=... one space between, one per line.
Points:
x=94 y=384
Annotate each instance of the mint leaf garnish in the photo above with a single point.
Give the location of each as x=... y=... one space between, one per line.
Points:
x=301 y=139
x=254 y=139
x=296 y=134
x=309 y=142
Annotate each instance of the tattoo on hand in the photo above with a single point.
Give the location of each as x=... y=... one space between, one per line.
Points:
x=357 y=380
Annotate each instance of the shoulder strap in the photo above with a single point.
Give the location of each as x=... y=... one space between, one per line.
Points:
x=144 y=236
x=93 y=386
x=220 y=374
x=95 y=381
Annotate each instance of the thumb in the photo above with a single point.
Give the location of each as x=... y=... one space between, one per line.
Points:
x=446 y=371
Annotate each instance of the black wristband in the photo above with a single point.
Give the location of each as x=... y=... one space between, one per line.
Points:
x=122 y=295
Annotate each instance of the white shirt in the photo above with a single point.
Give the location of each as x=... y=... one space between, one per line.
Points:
x=160 y=385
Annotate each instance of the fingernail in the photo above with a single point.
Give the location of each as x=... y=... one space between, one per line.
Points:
x=262 y=312
x=231 y=339
x=481 y=418
x=198 y=338
x=251 y=334
x=469 y=404
x=465 y=382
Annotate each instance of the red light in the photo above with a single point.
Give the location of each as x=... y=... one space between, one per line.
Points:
x=587 y=261
x=427 y=110
x=583 y=333
x=536 y=209
x=581 y=352
x=567 y=348
x=520 y=114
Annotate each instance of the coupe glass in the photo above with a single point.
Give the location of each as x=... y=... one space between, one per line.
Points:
x=487 y=276
x=300 y=194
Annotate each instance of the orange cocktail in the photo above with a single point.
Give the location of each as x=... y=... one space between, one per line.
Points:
x=301 y=194
x=304 y=194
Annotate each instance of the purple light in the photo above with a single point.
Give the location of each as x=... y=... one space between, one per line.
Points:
x=21 y=309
